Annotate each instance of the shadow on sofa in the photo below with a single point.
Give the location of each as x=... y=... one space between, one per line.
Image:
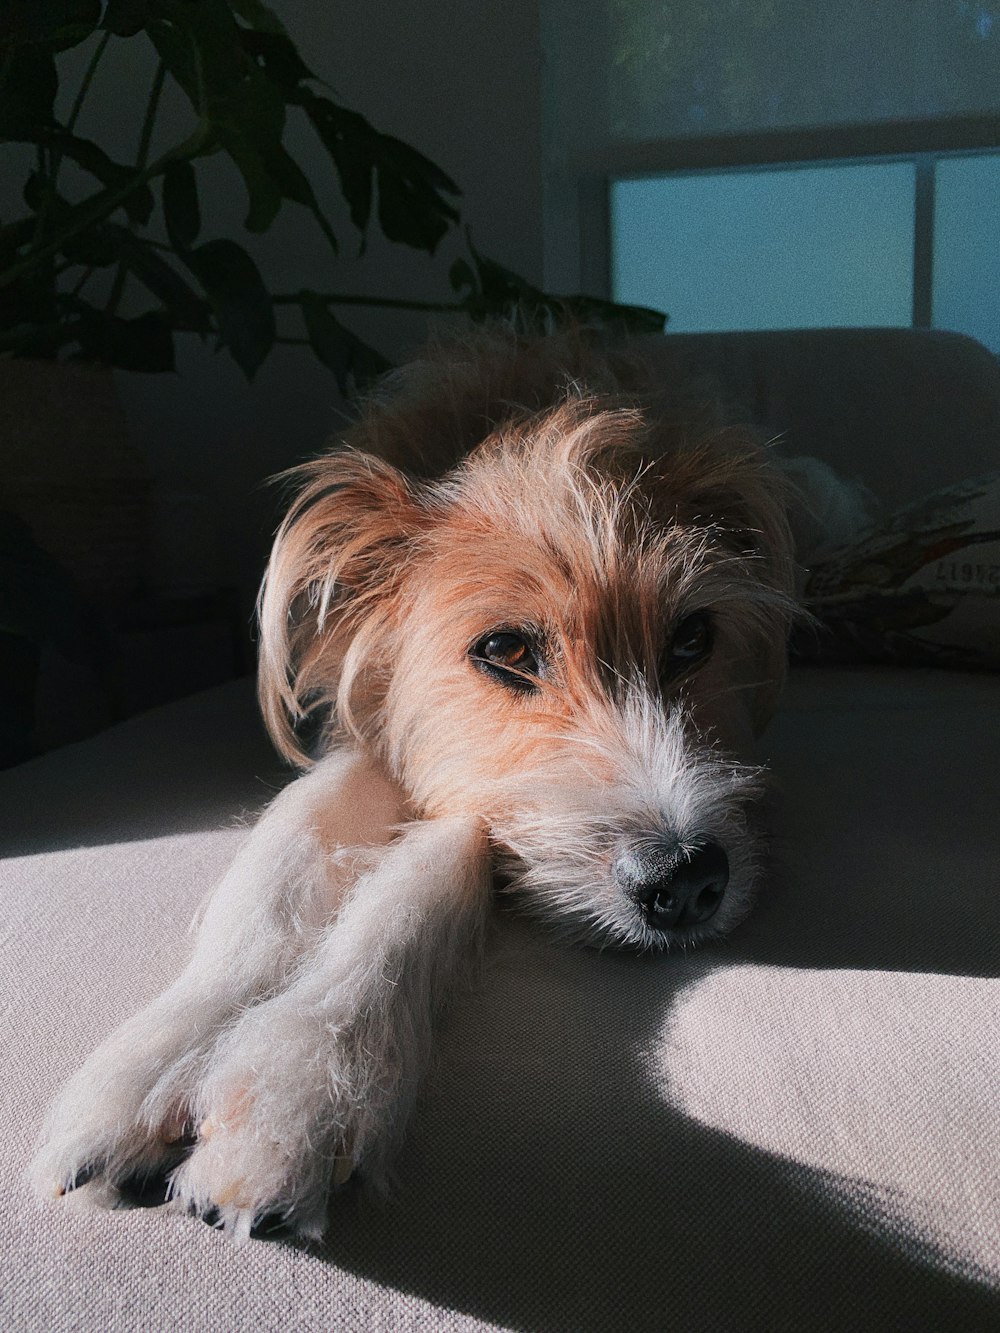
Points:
x=582 y=1194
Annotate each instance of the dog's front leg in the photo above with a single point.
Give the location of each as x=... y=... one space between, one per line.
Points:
x=320 y=1078
x=125 y=1115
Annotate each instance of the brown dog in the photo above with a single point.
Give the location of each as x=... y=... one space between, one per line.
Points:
x=536 y=608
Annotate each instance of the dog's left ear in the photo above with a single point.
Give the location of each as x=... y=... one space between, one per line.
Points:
x=734 y=488
x=332 y=583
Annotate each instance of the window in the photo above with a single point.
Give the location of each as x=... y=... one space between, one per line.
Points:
x=884 y=241
x=802 y=103
x=966 y=270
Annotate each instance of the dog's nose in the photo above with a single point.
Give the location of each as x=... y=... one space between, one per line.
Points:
x=674 y=888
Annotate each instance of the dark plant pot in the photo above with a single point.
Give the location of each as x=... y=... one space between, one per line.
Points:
x=69 y=471
x=74 y=502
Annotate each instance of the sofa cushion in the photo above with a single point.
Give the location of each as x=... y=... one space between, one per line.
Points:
x=906 y=411
x=797 y=1128
x=921 y=586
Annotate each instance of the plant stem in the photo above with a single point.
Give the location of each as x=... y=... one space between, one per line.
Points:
x=146 y=134
x=85 y=277
x=56 y=156
x=101 y=205
x=150 y=117
x=85 y=83
x=383 y=302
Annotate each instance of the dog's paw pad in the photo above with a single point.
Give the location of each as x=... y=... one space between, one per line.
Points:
x=273 y=1226
x=150 y=1186
x=210 y=1215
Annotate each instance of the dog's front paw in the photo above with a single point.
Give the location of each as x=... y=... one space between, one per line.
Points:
x=283 y=1118
x=120 y=1124
x=247 y=1178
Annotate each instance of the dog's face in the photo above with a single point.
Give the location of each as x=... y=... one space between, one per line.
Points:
x=567 y=638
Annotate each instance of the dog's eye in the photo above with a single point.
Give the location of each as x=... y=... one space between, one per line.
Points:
x=508 y=657
x=692 y=639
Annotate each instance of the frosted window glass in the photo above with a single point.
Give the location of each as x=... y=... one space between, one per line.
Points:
x=687 y=67
x=967 y=247
x=811 y=247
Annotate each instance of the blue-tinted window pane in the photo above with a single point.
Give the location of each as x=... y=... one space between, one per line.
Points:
x=967 y=247
x=808 y=247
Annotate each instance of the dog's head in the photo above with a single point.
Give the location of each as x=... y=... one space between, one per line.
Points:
x=572 y=634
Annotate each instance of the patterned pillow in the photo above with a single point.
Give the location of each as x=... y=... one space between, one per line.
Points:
x=922 y=587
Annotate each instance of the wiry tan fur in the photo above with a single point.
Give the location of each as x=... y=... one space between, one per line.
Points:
x=553 y=487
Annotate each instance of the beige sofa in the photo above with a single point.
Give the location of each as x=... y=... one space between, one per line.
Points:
x=797 y=1130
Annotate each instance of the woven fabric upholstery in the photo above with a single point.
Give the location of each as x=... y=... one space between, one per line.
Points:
x=798 y=1129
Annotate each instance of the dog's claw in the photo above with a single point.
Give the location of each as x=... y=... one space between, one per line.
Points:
x=78 y=1179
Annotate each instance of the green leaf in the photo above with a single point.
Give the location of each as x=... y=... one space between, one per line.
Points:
x=126 y=17
x=186 y=309
x=180 y=204
x=34 y=189
x=54 y=24
x=263 y=192
x=353 y=362
x=138 y=204
x=271 y=175
x=411 y=206
x=498 y=292
x=202 y=47
x=145 y=343
x=223 y=85
x=367 y=365
x=176 y=47
x=632 y=319
x=196 y=37
x=97 y=247
x=259 y=16
x=13 y=237
x=293 y=184
x=277 y=57
x=461 y=276
x=28 y=95
x=499 y=289
x=289 y=177
x=327 y=337
x=350 y=141
x=241 y=303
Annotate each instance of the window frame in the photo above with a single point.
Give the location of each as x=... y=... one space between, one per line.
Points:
x=924 y=143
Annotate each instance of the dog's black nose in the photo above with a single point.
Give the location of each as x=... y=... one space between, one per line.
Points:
x=675 y=888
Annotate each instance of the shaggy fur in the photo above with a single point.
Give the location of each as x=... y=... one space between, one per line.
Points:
x=628 y=550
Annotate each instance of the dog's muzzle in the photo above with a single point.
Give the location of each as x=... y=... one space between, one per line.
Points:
x=675 y=888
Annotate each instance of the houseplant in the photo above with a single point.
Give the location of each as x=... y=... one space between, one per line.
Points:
x=65 y=265
x=110 y=267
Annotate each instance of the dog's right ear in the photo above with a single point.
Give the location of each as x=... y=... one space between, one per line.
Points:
x=328 y=597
